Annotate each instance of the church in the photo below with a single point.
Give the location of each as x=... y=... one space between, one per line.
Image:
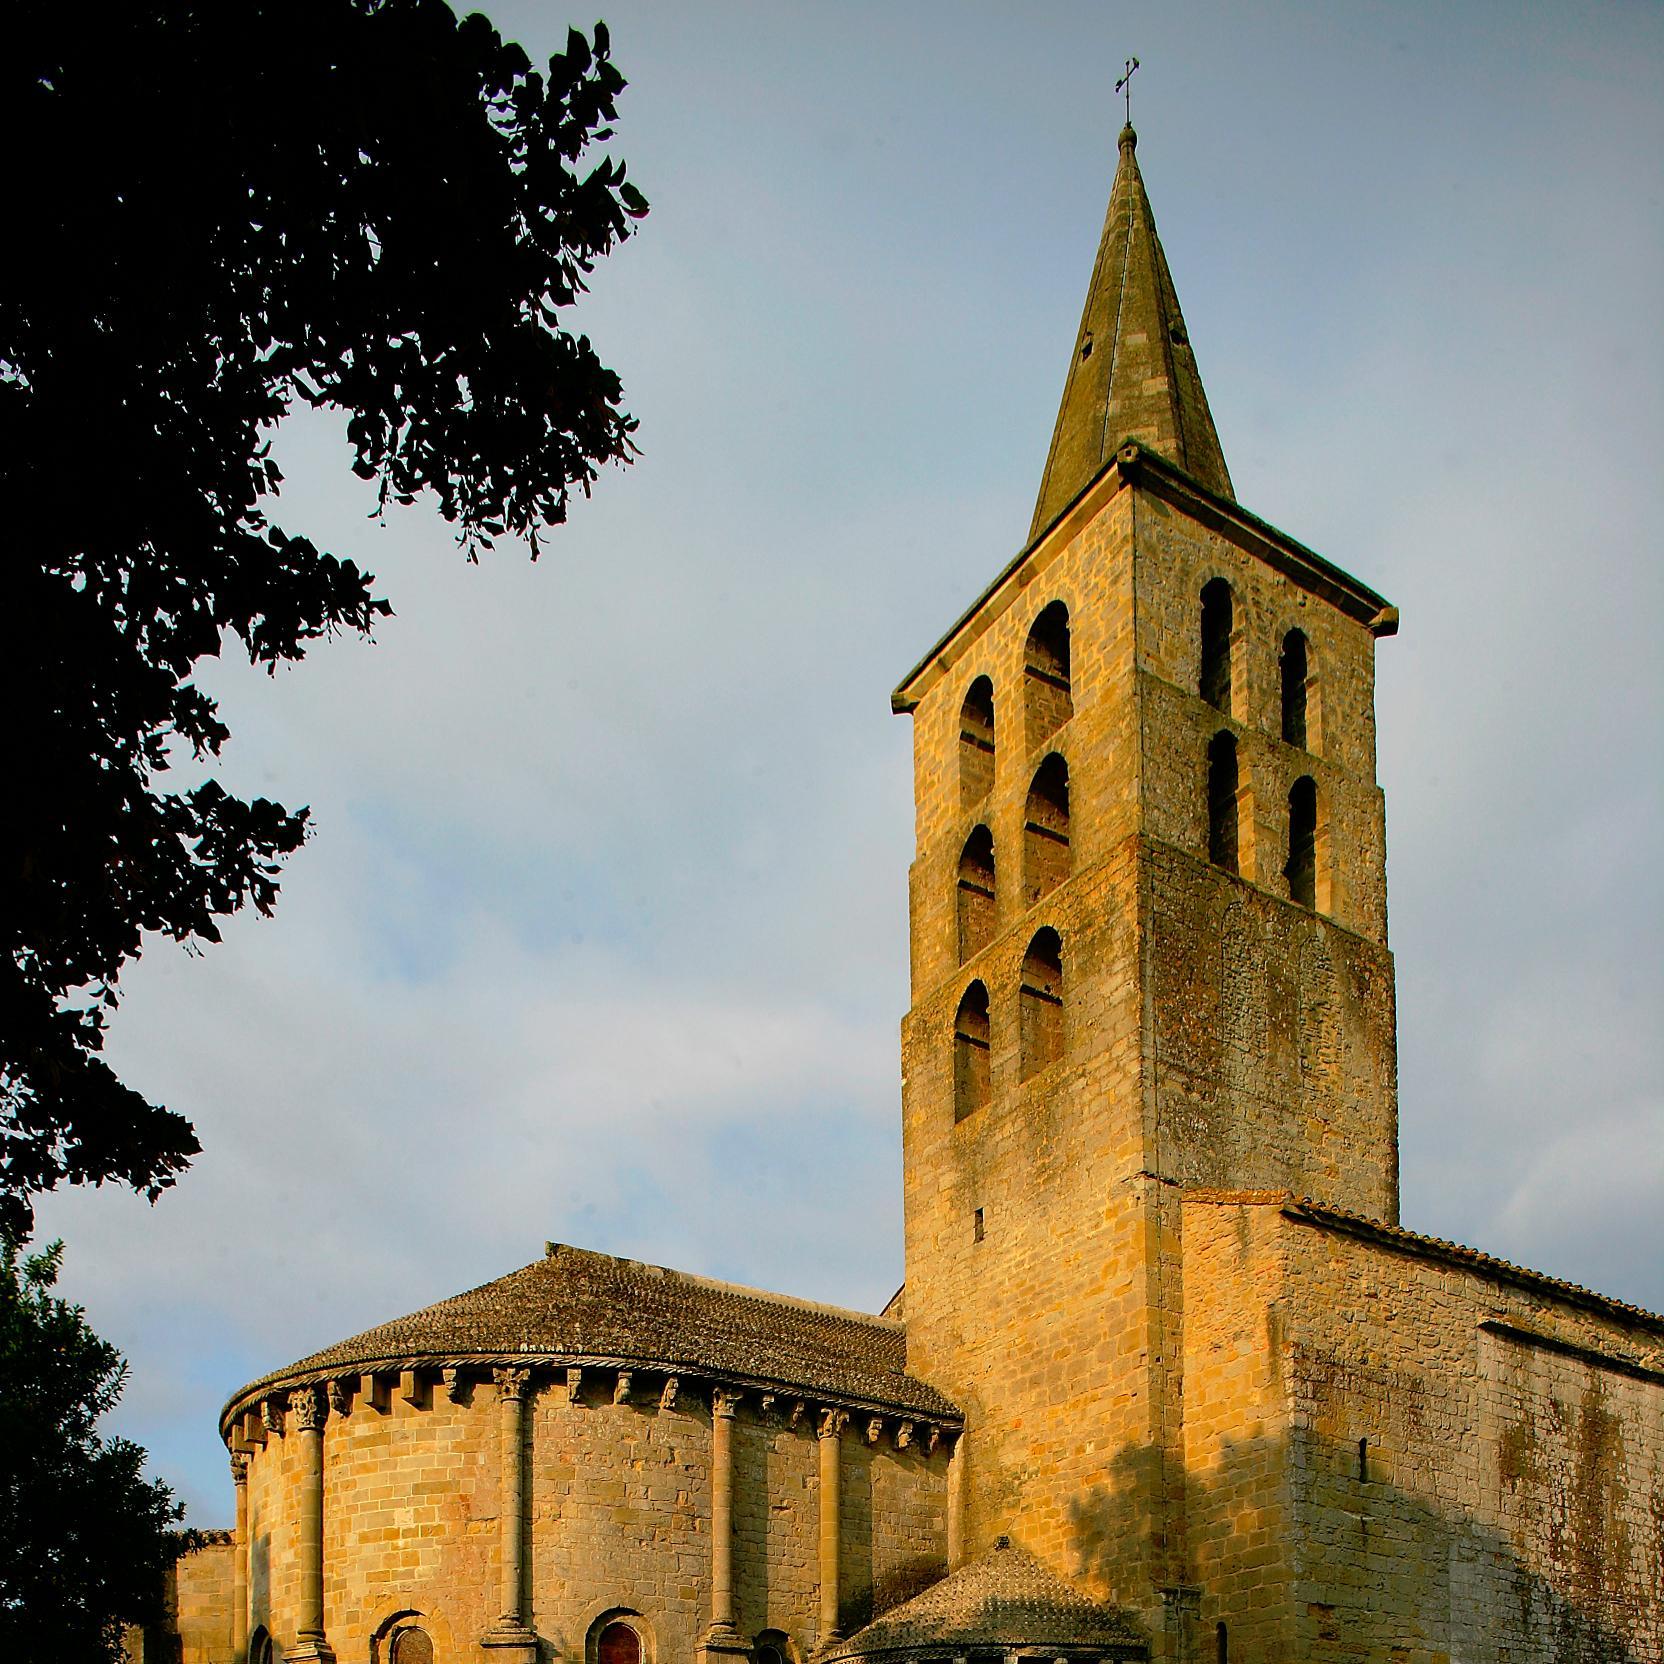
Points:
x=1167 y=1378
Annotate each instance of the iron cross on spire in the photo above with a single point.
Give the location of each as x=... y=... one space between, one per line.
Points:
x=1125 y=85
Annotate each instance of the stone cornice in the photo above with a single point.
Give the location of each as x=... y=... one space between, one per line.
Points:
x=1257 y=537
x=552 y=1368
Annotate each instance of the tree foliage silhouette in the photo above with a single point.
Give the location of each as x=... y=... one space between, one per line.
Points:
x=218 y=210
x=84 y=1536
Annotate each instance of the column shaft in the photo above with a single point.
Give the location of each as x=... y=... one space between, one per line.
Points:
x=239 y=1562
x=831 y=1522
x=956 y=1504
x=511 y=1398
x=306 y=1422
x=722 y=1513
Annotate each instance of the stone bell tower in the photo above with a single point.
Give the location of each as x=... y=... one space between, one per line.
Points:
x=1148 y=914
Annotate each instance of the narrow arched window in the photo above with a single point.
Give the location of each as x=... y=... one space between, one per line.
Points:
x=976 y=904
x=1221 y=1644
x=1301 y=868
x=260 y=1649
x=970 y=1052
x=618 y=1643
x=1214 y=683
x=976 y=742
x=1046 y=855
x=1222 y=794
x=410 y=1646
x=1295 y=667
x=1041 y=999
x=1047 y=700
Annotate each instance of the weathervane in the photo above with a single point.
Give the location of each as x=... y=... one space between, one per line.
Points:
x=1125 y=85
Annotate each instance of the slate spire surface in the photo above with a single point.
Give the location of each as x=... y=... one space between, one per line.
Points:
x=1132 y=374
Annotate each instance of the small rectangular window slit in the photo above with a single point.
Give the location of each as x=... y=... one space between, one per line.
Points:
x=976 y=1226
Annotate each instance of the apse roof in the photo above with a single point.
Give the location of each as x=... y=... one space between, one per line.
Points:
x=574 y=1306
x=1004 y=1602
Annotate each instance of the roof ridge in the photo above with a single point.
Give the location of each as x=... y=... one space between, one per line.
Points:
x=1326 y=1212
x=553 y=1249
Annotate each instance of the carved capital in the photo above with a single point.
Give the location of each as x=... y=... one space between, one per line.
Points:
x=513 y=1380
x=832 y=1424
x=724 y=1401
x=667 y=1398
x=306 y=1408
x=239 y=1468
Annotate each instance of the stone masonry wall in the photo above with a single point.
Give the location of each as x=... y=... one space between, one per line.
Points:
x=1036 y=1325
x=411 y=1497
x=1238 y=1500
x=196 y=1604
x=1176 y=557
x=1271 y=1046
x=1470 y=1467
x=1215 y=1032
x=273 y=1538
x=1091 y=575
x=618 y=1509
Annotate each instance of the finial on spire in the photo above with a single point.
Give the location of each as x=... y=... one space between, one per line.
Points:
x=1125 y=85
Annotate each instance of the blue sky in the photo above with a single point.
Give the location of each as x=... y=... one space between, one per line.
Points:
x=602 y=934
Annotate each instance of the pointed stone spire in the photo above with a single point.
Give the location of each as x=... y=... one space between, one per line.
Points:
x=1133 y=375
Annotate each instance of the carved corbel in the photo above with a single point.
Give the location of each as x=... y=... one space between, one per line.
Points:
x=621 y=1387
x=340 y=1400
x=451 y=1375
x=271 y=1417
x=932 y=1439
x=667 y=1398
x=797 y=1412
x=574 y=1384
x=904 y=1435
x=875 y=1429
x=765 y=1406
